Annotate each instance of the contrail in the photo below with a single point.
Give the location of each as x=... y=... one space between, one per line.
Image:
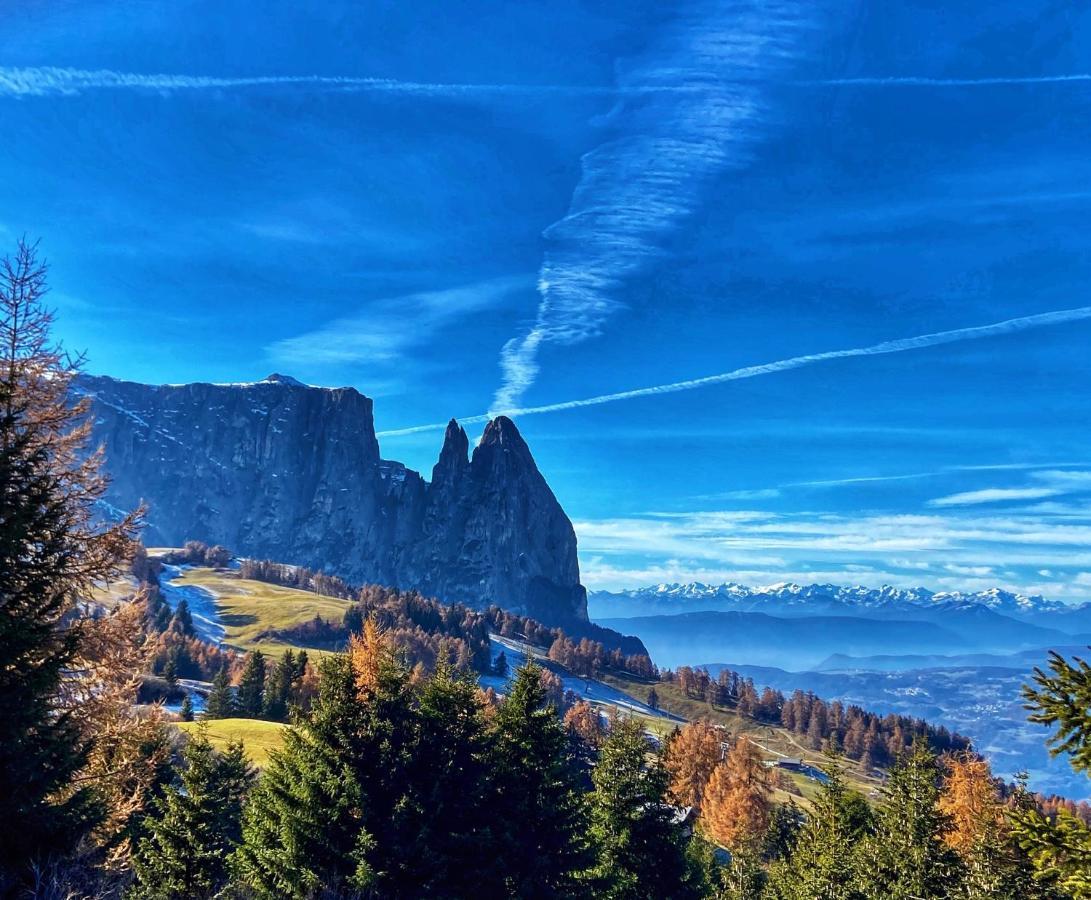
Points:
x=652 y=171
x=42 y=81
x=1008 y=326
x=916 y=81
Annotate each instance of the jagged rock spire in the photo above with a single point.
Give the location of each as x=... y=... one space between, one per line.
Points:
x=453 y=456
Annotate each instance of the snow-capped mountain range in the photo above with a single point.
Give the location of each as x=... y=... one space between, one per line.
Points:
x=813 y=599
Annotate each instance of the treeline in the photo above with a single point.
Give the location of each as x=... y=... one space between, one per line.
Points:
x=427 y=629
x=873 y=740
x=590 y=658
x=198 y=553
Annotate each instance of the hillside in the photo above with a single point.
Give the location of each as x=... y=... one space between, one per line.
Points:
x=251 y=612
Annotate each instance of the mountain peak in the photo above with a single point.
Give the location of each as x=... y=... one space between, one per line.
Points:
x=501 y=432
x=287 y=380
x=453 y=456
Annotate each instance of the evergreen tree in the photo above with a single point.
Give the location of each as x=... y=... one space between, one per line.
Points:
x=641 y=848
x=907 y=857
x=500 y=666
x=541 y=811
x=330 y=812
x=443 y=836
x=278 y=688
x=819 y=861
x=250 y=697
x=183 y=619
x=785 y=825
x=195 y=826
x=221 y=699
x=743 y=877
x=302 y=829
x=1061 y=849
x=170 y=669
x=186 y=710
x=51 y=552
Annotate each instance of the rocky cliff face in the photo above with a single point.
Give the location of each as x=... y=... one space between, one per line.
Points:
x=280 y=470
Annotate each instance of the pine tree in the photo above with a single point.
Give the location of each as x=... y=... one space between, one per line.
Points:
x=195 y=827
x=1061 y=849
x=221 y=699
x=541 y=811
x=641 y=849
x=170 y=669
x=302 y=829
x=743 y=877
x=443 y=836
x=51 y=552
x=331 y=809
x=785 y=824
x=183 y=619
x=738 y=798
x=820 y=860
x=907 y=857
x=278 y=688
x=250 y=697
x=186 y=710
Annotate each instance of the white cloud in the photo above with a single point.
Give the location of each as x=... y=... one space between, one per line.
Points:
x=993 y=495
x=386 y=329
x=955 y=550
x=1073 y=480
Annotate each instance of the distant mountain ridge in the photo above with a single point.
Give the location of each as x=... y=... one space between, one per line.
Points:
x=815 y=599
x=282 y=470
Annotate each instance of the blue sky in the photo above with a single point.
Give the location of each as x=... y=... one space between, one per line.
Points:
x=492 y=206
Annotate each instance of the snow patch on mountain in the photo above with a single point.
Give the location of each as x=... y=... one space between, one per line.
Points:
x=788 y=597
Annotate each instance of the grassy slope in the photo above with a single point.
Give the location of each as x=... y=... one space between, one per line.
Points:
x=249 y=608
x=257 y=736
x=775 y=741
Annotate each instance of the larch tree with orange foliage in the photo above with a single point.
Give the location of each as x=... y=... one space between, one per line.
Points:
x=971 y=801
x=584 y=721
x=995 y=865
x=691 y=758
x=738 y=798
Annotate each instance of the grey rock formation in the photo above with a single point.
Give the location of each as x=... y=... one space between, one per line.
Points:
x=276 y=469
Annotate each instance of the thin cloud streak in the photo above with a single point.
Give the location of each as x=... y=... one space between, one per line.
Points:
x=918 y=81
x=1008 y=326
x=42 y=81
x=994 y=495
x=652 y=174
